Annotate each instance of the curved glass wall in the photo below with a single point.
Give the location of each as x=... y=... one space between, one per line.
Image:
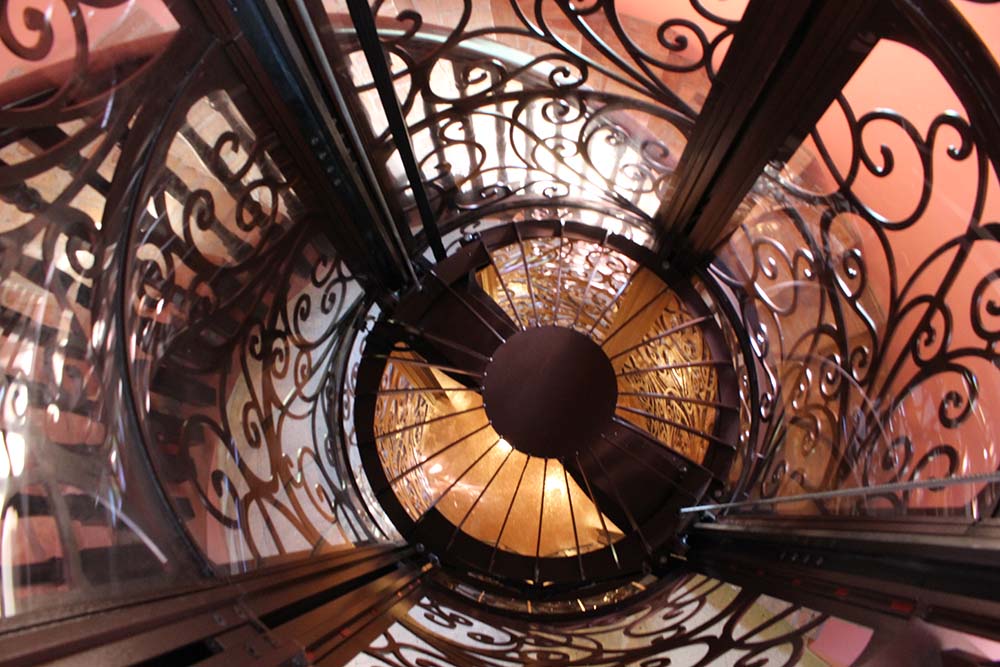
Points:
x=866 y=268
x=170 y=316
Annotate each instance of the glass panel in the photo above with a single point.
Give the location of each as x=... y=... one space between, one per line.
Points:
x=237 y=314
x=511 y=103
x=870 y=259
x=43 y=48
x=78 y=522
x=154 y=270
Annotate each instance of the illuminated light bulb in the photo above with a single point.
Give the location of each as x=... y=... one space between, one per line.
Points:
x=503 y=445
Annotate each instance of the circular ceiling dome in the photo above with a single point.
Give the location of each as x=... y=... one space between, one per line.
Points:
x=540 y=410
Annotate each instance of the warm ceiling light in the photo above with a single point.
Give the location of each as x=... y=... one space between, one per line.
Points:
x=554 y=484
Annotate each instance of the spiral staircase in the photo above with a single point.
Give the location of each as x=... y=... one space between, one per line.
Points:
x=447 y=332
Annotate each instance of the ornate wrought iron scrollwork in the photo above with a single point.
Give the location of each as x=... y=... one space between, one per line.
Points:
x=545 y=102
x=693 y=621
x=258 y=310
x=68 y=476
x=873 y=348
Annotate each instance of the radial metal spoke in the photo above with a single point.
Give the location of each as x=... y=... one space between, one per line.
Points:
x=635 y=315
x=437 y=453
x=426 y=364
x=559 y=273
x=572 y=518
x=672 y=367
x=661 y=336
x=456 y=481
x=614 y=300
x=416 y=390
x=621 y=503
x=597 y=508
x=527 y=273
x=671 y=422
x=680 y=399
x=506 y=517
x=541 y=517
x=503 y=284
x=428 y=421
x=475 y=313
x=426 y=335
x=486 y=488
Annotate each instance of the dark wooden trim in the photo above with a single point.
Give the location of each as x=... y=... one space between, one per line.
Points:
x=745 y=72
x=857 y=572
x=196 y=616
x=769 y=93
x=334 y=634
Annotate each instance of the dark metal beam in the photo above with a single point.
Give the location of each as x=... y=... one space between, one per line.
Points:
x=768 y=93
x=867 y=570
x=367 y=32
x=274 y=67
x=227 y=622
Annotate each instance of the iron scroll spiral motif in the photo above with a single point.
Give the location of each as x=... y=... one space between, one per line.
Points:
x=216 y=313
x=242 y=402
x=873 y=317
x=577 y=506
x=514 y=105
x=692 y=621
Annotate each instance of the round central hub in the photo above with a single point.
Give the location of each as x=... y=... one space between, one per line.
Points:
x=550 y=390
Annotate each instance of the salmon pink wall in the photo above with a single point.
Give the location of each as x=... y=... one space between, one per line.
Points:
x=103 y=30
x=900 y=79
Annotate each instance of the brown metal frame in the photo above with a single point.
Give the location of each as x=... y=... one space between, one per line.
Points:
x=874 y=572
x=769 y=90
x=264 y=616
